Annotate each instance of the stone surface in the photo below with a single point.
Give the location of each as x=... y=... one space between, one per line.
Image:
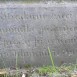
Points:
x=27 y=30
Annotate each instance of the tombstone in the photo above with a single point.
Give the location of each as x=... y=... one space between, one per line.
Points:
x=27 y=31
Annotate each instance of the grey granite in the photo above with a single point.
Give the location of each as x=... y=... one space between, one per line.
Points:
x=27 y=30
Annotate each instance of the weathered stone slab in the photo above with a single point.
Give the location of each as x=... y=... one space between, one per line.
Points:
x=28 y=30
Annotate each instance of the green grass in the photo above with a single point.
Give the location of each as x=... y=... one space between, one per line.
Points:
x=52 y=61
x=54 y=69
x=27 y=66
x=16 y=64
x=59 y=70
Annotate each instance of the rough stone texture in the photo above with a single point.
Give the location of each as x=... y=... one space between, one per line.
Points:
x=27 y=30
